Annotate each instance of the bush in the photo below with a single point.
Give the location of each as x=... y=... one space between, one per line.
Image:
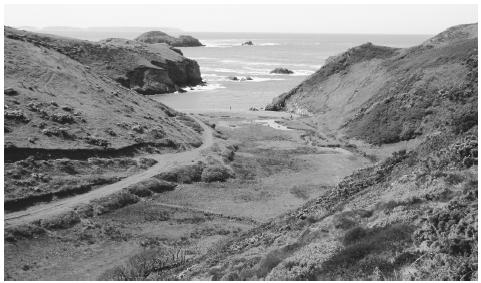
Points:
x=216 y=173
x=270 y=261
x=139 y=191
x=353 y=235
x=145 y=188
x=62 y=118
x=112 y=202
x=147 y=162
x=26 y=231
x=16 y=115
x=142 y=265
x=62 y=221
x=185 y=174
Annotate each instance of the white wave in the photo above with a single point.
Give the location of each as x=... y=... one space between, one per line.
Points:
x=233 y=43
x=218 y=70
x=221 y=78
x=268 y=44
x=273 y=124
x=203 y=58
x=258 y=79
x=200 y=88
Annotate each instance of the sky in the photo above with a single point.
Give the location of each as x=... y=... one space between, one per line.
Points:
x=384 y=19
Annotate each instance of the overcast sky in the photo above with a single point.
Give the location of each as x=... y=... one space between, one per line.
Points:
x=390 y=19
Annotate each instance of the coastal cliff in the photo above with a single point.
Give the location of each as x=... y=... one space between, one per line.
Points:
x=60 y=97
x=145 y=68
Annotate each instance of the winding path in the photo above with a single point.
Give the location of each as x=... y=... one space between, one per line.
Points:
x=165 y=162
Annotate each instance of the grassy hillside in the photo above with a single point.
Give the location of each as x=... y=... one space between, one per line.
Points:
x=412 y=216
x=55 y=102
x=385 y=95
x=146 y=68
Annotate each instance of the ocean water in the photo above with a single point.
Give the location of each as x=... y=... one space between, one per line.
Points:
x=223 y=56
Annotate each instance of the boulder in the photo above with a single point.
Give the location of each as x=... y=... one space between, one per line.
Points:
x=247 y=43
x=10 y=91
x=233 y=78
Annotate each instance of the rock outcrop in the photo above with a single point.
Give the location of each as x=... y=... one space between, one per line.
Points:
x=60 y=98
x=284 y=71
x=146 y=68
x=248 y=43
x=161 y=37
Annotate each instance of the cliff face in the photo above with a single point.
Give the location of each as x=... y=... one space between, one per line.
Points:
x=55 y=102
x=148 y=69
x=161 y=37
x=385 y=95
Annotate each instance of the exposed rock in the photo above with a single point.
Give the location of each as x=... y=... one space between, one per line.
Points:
x=161 y=37
x=235 y=78
x=57 y=88
x=146 y=68
x=281 y=71
x=10 y=91
x=247 y=43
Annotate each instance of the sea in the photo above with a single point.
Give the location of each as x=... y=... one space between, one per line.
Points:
x=224 y=56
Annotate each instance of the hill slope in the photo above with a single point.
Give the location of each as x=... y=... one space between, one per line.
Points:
x=412 y=216
x=384 y=95
x=148 y=69
x=54 y=102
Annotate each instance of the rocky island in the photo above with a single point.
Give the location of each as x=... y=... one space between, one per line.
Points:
x=284 y=71
x=161 y=37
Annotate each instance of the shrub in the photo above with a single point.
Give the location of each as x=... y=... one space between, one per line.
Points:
x=16 y=115
x=97 y=141
x=353 y=235
x=141 y=265
x=216 y=173
x=139 y=191
x=185 y=174
x=147 y=162
x=299 y=192
x=112 y=202
x=270 y=261
x=62 y=118
x=26 y=231
x=62 y=221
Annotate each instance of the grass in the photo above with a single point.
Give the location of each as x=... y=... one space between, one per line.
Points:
x=300 y=192
x=364 y=251
x=184 y=174
x=140 y=266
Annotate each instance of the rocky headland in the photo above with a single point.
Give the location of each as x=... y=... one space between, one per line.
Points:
x=145 y=68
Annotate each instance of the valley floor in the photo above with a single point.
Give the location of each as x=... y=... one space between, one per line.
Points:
x=276 y=170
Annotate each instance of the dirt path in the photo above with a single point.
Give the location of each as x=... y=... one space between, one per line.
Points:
x=164 y=163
